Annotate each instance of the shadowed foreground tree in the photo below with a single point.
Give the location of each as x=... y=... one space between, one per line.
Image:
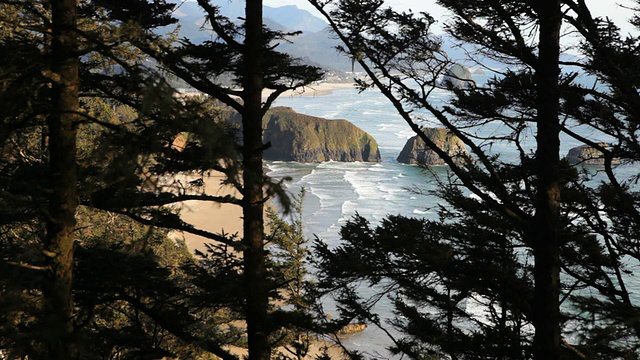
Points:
x=63 y=194
x=484 y=280
x=130 y=163
x=246 y=53
x=289 y=251
x=121 y=117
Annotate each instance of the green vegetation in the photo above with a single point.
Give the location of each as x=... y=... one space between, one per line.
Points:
x=94 y=143
x=98 y=213
x=528 y=259
x=304 y=138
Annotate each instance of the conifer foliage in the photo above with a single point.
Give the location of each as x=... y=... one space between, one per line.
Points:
x=522 y=250
x=246 y=52
x=135 y=141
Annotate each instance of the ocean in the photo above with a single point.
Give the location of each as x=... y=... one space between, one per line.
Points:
x=336 y=190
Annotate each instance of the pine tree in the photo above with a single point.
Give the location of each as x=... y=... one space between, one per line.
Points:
x=63 y=198
x=55 y=105
x=544 y=231
x=516 y=204
x=289 y=251
x=246 y=54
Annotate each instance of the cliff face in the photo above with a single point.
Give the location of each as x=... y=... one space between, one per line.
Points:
x=415 y=151
x=303 y=138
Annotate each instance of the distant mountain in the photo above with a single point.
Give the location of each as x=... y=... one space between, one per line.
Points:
x=315 y=46
x=294 y=18
x=320 y=48
x=289 y=17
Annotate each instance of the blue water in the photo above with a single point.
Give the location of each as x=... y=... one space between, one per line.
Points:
x=336 y=191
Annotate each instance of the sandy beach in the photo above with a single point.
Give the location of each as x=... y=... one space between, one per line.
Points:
x=211 y=216
x=320 y=89
x=217 y=218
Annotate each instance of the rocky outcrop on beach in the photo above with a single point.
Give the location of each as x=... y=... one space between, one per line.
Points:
x=352 y=329
x=458 y=76
x=415 y=151
x=587 y=155
x=303 y=138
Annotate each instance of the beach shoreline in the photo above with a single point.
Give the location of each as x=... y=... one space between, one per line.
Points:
x=227 y=218
x=218 y=218
x=321 y=89
x=215 y=217
x=210 y=216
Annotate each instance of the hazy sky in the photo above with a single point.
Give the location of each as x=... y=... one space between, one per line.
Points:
x=608 y=8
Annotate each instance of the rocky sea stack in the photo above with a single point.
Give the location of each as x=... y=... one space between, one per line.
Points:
x=587 y=155
x=458 y=76
x=304 y=138
x=415 y=151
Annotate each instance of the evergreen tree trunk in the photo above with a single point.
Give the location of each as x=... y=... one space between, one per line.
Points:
x=63 y=198
x=253 y=199
x=545 y=231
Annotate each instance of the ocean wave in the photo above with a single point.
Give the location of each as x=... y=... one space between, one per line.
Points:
x=348 y=209
x=391 y=193
x=395 y=149
x=370 y=112
x=309 y=178
x=424 y=212
x=341 y=166
x=364 y=187
x=405 y=134
x=380 y=168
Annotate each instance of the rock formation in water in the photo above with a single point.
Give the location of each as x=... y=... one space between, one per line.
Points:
x=587 y=155
x=458 y=76
x=415 y=151
x=304 y=138
x=352 y=329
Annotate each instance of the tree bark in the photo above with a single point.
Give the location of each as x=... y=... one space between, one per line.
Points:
x=546 y=228
x=63 y=199
x=256 y=291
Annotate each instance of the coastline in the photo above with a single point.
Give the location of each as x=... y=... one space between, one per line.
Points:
x=210 y=216
x=216 y=217
x=320 y=89
x=227 y=218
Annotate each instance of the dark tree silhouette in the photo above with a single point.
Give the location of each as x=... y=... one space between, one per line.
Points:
x=517 y=215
